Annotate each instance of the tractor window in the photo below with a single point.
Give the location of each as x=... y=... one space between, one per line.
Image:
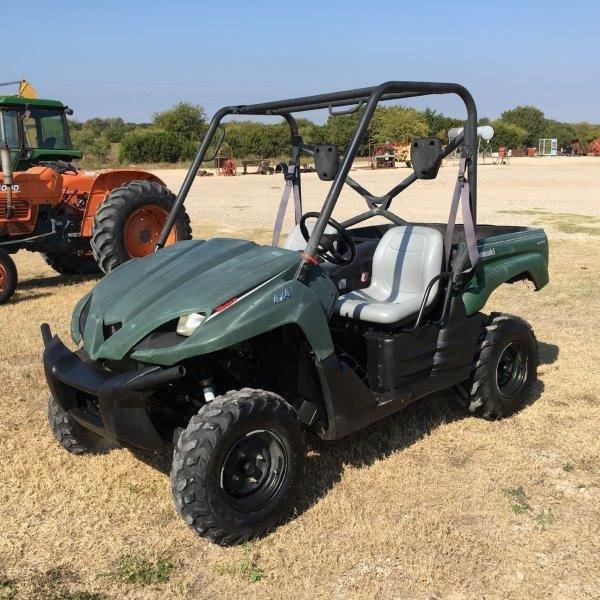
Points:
x=46 y=129
x=11 y=127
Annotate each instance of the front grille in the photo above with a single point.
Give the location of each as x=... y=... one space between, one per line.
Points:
x=21 y=211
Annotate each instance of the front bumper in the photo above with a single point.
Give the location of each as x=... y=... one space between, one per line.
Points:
x=111 y=405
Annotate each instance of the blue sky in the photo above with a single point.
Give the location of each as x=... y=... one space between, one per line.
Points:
x=132 y=58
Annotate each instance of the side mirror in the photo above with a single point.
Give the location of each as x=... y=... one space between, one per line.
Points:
x=327 y=161
x=426 y=156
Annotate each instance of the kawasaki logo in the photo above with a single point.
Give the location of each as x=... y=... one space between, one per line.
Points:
x=277 y=298
x=486 y=253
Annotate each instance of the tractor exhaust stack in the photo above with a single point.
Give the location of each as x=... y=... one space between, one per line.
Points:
x=7 y=170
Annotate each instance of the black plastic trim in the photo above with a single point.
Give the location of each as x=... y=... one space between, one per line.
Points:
x=121 y=397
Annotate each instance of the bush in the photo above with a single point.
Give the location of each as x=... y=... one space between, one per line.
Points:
x=529 y=118
x=397 y=124
x=92 y=146
x=508 y=135
x=152 y=146
x=185 y=119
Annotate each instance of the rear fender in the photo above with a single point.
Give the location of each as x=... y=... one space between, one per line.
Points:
x=489 y=275
x=104 y=182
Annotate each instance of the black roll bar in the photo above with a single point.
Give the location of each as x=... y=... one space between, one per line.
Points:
x=369 y=97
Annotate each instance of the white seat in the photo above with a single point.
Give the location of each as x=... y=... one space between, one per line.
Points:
x=295 y=240
x=406 y=259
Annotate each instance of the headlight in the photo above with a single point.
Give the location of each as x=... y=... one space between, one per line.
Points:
x=187 y=324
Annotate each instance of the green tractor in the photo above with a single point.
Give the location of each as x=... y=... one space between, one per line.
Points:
x=230 y=351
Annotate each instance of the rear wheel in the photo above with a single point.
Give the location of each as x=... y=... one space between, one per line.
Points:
x=505 y=368
x=237 y=466
x=68 y=262
x=8 y=277
x=129 y=221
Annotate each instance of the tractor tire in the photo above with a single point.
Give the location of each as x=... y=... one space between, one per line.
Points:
x=505 y=368
x=8 y=277
x=70 y=434
x=238 y=465
x=128 y=223
x=70 y=263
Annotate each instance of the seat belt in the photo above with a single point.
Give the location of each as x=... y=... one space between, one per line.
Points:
x=462 y=194
x=291 y=174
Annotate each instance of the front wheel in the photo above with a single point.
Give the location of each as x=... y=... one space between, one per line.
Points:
x=8 y=277
x=237 y=466
x=505 y=368
x=70 y=434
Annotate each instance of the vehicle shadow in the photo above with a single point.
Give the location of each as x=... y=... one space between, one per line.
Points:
x=326 y=460
x=17 y=298
x=548 y=353
x=55 y=281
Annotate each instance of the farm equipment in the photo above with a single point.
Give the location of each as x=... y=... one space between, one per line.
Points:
x=231 y=351
x=263 y=166
x=385 y=156
x=593 y=148
x=82 y=222
x=225 y=165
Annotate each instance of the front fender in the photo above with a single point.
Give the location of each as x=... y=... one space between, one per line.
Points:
x=277 y=304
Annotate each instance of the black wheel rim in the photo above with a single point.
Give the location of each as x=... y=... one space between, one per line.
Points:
x=254 y=470
x=511 y=372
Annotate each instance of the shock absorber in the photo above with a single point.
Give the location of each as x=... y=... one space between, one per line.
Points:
x=206 y=385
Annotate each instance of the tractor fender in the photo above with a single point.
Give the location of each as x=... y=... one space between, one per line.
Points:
x=491 y=274
x=102 y=183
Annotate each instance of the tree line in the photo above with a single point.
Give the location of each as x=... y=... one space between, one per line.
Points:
x=174 y=134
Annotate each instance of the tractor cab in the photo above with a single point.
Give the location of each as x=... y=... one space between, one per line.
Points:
x=36 y=131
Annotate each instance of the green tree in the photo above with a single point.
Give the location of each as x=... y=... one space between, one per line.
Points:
x=397 y=124
x=529 y=118
x=439 y=124
x=508 y=135
x=94 y=147
x=185 y=119
x=339 y=129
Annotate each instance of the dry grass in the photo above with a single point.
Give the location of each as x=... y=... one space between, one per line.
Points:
x=425 y=504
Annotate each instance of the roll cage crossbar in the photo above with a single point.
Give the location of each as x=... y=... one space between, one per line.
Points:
x=368 y=98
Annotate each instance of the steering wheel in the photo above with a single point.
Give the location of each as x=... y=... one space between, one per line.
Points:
x=326 y=248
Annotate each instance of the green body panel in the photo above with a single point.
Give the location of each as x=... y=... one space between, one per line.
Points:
x=197 y=276
x=503 y=258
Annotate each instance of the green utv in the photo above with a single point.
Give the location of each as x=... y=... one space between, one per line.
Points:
x=230 y=351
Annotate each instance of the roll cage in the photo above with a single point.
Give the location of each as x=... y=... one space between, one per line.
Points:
x=367 y=98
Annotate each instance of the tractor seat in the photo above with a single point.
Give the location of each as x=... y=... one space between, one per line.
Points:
x=406 y=259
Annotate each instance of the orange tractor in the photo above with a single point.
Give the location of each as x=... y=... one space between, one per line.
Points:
x=82 y=222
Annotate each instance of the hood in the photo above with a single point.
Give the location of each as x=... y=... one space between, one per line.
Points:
x=191 y=276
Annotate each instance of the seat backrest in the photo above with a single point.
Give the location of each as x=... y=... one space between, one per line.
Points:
x=406 y=259
x=295 y=240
